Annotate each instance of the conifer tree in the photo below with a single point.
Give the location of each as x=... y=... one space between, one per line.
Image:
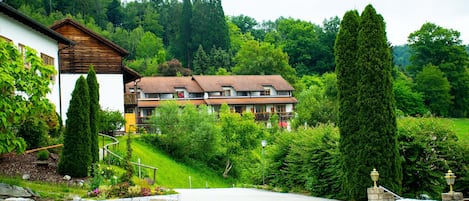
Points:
x=94 y=110
x=348 y=75
x=376 y=141
x=183 y=49
x=76 y=155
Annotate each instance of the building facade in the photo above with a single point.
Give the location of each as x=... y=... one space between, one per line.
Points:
x=94 y=50
x=262 y=95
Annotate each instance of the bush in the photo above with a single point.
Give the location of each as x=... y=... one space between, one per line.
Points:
x=429 y=149
x=110 y=121
x=42 y=155
x=307 y=160
x=34 y=132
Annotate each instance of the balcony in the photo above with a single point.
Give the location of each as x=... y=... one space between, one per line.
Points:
x=130 y=99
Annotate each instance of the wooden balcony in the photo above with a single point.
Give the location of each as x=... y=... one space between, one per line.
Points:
x=130 y=99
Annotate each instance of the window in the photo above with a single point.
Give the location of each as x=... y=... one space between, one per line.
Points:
x=260 y=109
x=281 y=108
x=22 y=49
x=47 y=60
x=266 y=92
x=226 y=92
x=180 y=94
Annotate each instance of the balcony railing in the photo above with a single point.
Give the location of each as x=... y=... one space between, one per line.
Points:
x=260 y=116
x=130 y=99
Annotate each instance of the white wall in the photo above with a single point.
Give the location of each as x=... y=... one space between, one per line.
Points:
x=20 y=33
x=111 y=91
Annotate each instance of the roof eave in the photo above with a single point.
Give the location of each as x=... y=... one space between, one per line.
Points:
x=20 y=17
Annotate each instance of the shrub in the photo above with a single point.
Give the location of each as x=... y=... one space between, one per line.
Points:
x=428 y=149
x=42 y=155
x=307 y=160
x=34 y=132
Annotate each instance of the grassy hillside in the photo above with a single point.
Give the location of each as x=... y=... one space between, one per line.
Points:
x=170 y=173
x=461 y=127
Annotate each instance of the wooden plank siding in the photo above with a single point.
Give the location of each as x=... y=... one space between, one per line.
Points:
x=89 y=49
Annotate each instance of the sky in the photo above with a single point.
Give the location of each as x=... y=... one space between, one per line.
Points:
x=402 y=17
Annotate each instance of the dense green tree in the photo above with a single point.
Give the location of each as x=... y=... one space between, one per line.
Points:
x=401 y=56
x=299 y=39
x=201 y=61
x=114 y=12
x=23 y=92
x=317 y=103
x=261 y=58
x=209 y=15
x=76 y=158
x=150 y=46
x=240 y=135
x=441 y=47
x=377 y=134
x=110 y=121
x=244 y=23
x=183 y=49
x=408 y=101
x=219 y=58
x=348 y=74
x=434 y=86
x=93 y=86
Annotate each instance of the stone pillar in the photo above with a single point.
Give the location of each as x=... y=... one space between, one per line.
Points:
x=378 y=194
x=454 y=196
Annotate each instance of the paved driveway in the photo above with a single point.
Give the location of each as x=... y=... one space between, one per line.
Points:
x=227 y=194
x=240 y=194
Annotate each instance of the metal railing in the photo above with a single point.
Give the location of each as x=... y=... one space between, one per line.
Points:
x=138 y=164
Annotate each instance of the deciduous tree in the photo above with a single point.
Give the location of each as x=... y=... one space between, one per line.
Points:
x=23 y=92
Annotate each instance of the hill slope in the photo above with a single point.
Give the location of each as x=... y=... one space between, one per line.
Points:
x=171 y=173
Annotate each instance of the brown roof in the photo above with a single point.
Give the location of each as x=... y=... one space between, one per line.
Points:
x=156 y=103
x=69 y=21
x=251 y=101
x=210 y=83
x=20 y=17
x=167 y=84
x=130 y=75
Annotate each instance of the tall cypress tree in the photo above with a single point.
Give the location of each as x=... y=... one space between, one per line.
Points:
x=376 y=141
x=348 y=74
x=76 y=154
x=183 y=50
x=94 y=110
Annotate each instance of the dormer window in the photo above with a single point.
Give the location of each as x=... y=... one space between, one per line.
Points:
x=266 y=92
x=180 y=94
x=227 y=91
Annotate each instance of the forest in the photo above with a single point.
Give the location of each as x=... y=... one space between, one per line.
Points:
x=189 y=37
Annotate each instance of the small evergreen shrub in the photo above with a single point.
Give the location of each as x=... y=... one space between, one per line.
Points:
x=42 y=155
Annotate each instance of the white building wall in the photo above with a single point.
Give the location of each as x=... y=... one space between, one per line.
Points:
x=111 y=91
x=289 y=108
x=22 y=34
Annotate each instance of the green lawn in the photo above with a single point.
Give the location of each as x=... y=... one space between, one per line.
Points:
x=170 y=173
x=460 y=127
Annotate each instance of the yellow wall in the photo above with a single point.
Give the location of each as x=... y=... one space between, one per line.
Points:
x=130 y=123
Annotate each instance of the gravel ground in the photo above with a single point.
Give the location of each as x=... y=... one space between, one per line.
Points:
x=21 y=164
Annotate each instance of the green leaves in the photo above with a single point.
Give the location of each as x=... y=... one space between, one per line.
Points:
x=24 y=83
